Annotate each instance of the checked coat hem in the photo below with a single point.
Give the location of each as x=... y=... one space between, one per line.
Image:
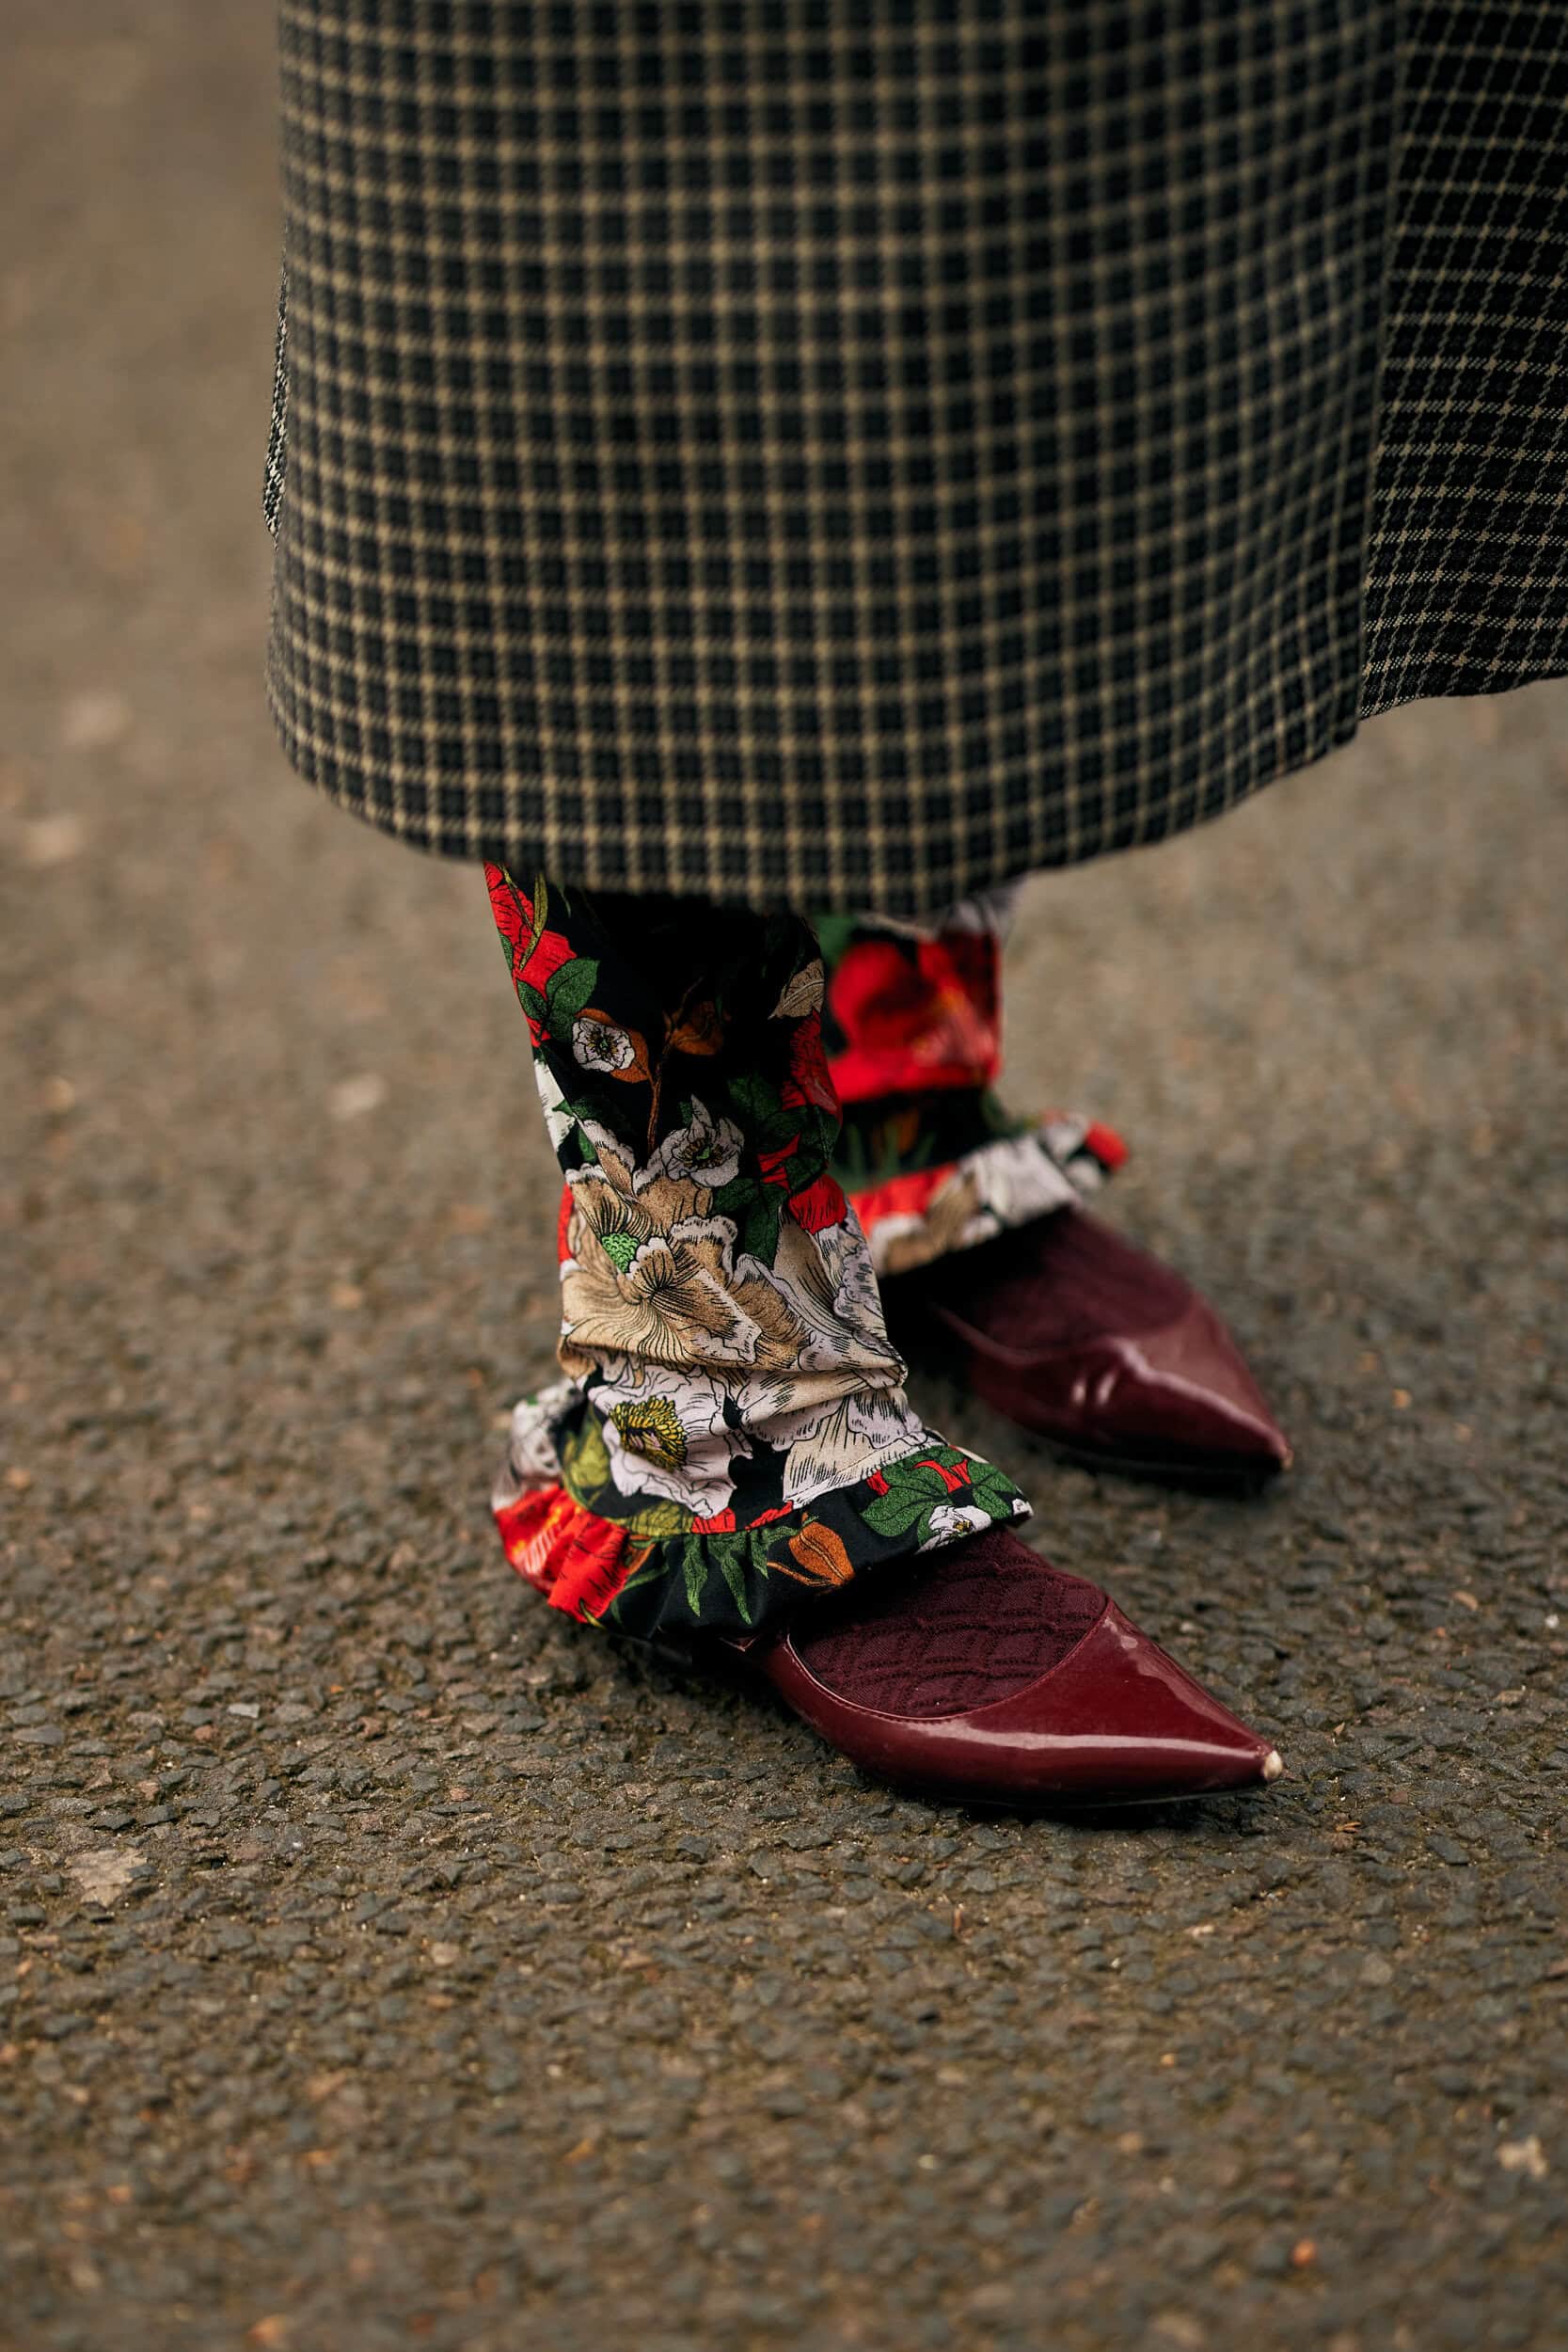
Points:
x=853 y=456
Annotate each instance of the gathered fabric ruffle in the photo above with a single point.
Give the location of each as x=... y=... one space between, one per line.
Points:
x=929 y=1159
x=733 y=1432
x=665 y=1570
x=927 y=1207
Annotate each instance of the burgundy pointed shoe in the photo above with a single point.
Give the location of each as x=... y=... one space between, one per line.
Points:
x=980 y=1672
x=1090 y=1343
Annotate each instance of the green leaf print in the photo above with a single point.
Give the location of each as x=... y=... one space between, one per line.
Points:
x=897 y=1512
x=992 y=1490
x=541 y=910
x=735 y=1198
x=759 y=1231
x=834 y=934
x=695 y=1572
x=915 y=1475
x=658 y=1522
x=879 y=1154
x=569 y=989
x=653 y=1571
x=585 y=1464
x=754 y=1099
x=730 y=1554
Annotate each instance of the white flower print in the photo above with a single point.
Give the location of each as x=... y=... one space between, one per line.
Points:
x=1065 y=1136
x=609 y=1161
x=628 y=1289
x=951 y=1519
x=899 y=1240
x=846 y=1260
x=839 y=1443
x=706 y=1152
x=1017 y=1179
x=666 y=1434
x=557 y=1117
x=828 y=1279
x=599 y=1044
x=1004 y=1184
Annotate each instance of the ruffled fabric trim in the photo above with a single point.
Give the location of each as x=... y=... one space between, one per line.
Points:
x=910 y=1220
x=649 y=1580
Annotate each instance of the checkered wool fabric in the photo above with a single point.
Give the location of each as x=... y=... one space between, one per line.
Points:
x=855 y=450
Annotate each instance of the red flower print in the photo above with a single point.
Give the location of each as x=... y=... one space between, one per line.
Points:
x=821 y=1205
x=532 y=959
x=550 y=952
x=901 y=1196
x=774 y=1165
x=915 y=1014
x=808 y=1081
x=952 y=1475
x=578 y=1561
x=598 y=1558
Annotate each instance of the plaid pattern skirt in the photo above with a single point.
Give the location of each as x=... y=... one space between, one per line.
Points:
x=850 y=454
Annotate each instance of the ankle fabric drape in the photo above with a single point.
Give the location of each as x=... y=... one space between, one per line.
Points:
x=732 y=1433
x=929 y=1158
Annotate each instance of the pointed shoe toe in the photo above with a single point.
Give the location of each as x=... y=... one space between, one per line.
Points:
x=1093 y=1344
x=1120 y=1717
x=1187 y=1388
x=1048 y=1695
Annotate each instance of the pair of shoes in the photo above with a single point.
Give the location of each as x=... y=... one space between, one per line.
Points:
x=980 y=1672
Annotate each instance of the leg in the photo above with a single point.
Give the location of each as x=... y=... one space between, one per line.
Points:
x=731 y=1451
x=932 y=1160
x=733 y=1428
x=975 y=1221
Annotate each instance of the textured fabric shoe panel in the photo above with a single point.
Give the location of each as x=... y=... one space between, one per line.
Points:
x=1055 y=1283
x=968 y=1627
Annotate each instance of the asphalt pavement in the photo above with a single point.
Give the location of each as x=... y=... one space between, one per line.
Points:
x=386 y=1963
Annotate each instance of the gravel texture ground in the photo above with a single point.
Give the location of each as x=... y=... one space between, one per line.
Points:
x=383 y=1963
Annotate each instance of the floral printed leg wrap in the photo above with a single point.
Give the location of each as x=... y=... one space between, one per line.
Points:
x=929 y=1159
x=733 y=1432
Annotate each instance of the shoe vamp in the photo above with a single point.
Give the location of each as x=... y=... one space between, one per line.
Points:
x=949 y=1637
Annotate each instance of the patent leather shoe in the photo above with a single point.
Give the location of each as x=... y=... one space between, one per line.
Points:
x=982 y=1672
x=1088 y=1341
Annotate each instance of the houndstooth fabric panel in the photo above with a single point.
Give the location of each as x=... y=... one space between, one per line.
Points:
x=856 y=450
